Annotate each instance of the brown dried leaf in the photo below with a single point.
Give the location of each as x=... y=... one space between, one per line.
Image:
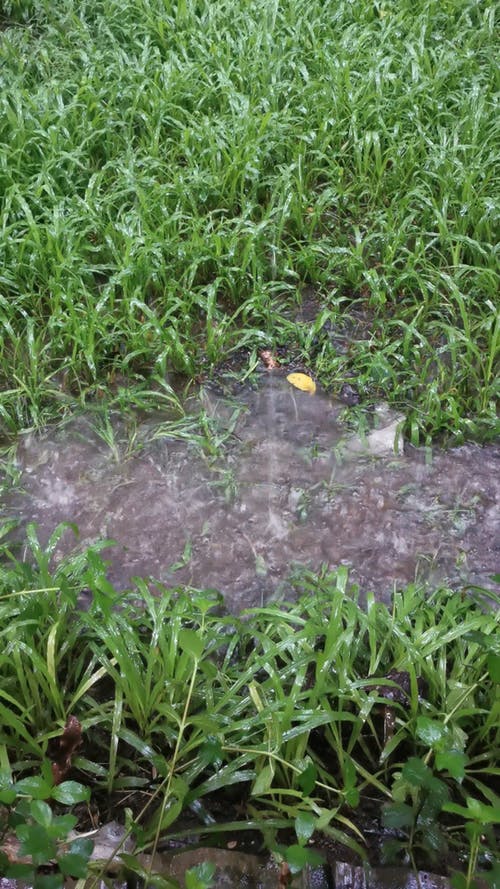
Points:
x=285 y=876
x=10 y=847
x=268 y=359
x=67 y=744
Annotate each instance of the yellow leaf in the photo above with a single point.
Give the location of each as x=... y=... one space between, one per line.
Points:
x=302 y=381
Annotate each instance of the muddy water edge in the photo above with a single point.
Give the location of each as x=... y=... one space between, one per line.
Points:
x=274 y=478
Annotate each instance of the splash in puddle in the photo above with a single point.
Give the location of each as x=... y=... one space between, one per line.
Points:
x=290 y=487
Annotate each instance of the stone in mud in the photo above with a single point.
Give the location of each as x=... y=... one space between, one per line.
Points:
x=109 y=840
x=386 y=436
x=349 y=876
x=234 y=870
x=349 y=395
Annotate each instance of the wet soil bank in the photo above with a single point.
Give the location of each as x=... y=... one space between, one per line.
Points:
x=291 y=484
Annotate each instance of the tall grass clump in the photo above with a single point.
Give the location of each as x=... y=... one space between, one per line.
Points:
x=308 y=713
x=173 y=175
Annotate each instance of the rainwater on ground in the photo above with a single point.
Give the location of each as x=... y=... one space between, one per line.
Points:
x=277 y=479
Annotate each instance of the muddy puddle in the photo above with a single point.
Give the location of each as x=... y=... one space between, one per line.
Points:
x=275 y=479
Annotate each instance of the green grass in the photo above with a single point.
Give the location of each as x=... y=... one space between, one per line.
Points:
x=283 y=706
x=172 y=176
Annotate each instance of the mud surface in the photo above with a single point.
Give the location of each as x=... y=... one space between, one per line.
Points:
x=279 y=481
